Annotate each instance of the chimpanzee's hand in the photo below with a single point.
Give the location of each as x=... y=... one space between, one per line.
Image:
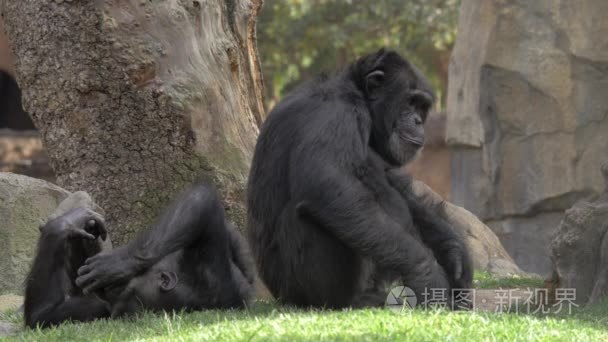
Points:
x=81 y=223
x=455 y=260
x=448 y=246
x=106 y=269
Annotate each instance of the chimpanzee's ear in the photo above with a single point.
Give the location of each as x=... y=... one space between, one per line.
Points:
x=373 y=81
x=168 y=281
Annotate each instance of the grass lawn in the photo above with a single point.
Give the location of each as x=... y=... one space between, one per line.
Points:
x=269 y=321
x=485 y=280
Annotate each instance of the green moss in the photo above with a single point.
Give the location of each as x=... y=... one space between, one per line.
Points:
x=182 y=174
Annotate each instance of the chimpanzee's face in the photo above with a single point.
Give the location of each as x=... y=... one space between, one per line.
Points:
x=158 y=289
x=399 y=99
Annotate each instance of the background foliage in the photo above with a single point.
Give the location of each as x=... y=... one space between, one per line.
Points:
x=298 y=39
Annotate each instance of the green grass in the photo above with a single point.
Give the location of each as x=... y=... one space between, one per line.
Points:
x=266 y=321
x=269 y=321
x=485 y=280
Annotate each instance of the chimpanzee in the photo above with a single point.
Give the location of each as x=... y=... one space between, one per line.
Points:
x=332 y=221
x=190 y=259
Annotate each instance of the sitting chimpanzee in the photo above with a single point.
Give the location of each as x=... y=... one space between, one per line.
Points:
x=332 y=221
x=190 y=259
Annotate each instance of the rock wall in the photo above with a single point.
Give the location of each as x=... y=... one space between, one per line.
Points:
x=528 y=116
x=580 y=249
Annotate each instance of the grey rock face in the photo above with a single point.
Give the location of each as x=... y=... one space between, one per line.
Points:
x=527 y=239
x=528 y=116
x=580 y=249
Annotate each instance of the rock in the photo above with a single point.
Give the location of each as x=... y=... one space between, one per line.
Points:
x=10 y=302
x=25 y=203
x=75 y=200
x=521 y=235
x=580 y=249
x=504 y=300
x=487 y=252
x=527 y=116
x=502 y=267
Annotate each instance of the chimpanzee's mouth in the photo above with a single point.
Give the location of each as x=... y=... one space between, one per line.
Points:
x=414 y=141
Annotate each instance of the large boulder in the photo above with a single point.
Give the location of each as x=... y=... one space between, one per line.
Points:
x=580 y=249
x=25 y=204
x=528 y=116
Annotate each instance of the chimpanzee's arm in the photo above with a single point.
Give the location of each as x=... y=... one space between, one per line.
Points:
x=447 y=245
x=350 y=213
x=241 y=254
x=194 y=216
x=50 y=294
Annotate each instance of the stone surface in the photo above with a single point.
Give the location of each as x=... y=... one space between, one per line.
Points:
x=521 y=235
x=487 y=252
x=505 y=300
x=25 y=203
x=580 y=249
x=528 y=115
x=10 y=302
x=75 y=200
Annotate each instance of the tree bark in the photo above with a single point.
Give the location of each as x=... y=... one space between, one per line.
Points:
x=136 y=99
x=5 y=52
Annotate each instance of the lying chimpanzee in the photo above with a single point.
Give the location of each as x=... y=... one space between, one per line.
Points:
x=190 y=259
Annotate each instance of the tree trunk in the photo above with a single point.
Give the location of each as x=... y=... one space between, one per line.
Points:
x=136 y=99
x=5 y=53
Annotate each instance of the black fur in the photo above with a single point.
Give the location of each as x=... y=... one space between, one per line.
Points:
x=51 y=296
x=190 y=259
x=331 y=222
